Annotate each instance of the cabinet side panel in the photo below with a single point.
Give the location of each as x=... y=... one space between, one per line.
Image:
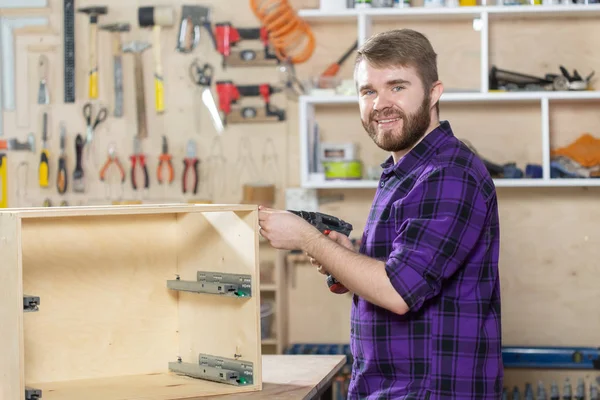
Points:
x=11 y=310
x=219 y=325
x=105 y=309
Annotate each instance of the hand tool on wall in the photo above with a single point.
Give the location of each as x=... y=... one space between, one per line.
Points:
x=228 y=36
x=156 y=18
x=116 y=30
x=91 y=125
x=94 y=12
x=61 y=177
x=78 y=182
x=190 y=163
x=164 y=161
x=7 y=59
x=112 y=159
x=202 y=76
x=137 y=47
x=43 y=95
x=3 y=182
x=14 y=144
x=138 y=158
x=69 y=50
x=43 y=173
x=334 y=68
x=229 y=94
x=327 y=223
x=192 y=19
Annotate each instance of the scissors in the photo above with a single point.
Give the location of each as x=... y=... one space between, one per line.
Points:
x=100 y=117
x=202 y=76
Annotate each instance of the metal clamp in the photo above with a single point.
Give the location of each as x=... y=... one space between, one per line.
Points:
x=32 y=393
x=217 y=369
x=31 y=303
x=234 y=285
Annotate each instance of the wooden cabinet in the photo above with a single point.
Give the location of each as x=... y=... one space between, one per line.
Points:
x=127 y=298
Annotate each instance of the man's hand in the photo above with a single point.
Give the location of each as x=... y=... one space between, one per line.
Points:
x=340 y=239
x=285 y=230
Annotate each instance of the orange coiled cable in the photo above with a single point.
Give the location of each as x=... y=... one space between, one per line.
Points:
x=291 y=37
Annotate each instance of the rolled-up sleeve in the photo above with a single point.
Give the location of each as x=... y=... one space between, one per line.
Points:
x=438 y=223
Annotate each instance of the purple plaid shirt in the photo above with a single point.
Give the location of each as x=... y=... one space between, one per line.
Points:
x=434 y=221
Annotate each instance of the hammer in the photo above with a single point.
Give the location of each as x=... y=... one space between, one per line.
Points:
x=93 y=12
x=116 y=30
x=137 y=47
x=157 y=17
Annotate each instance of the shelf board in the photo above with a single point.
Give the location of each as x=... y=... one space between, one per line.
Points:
x=473 y=97
x=456 y=13
x=371 y=184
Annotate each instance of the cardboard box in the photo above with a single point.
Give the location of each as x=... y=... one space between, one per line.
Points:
x=109 y=325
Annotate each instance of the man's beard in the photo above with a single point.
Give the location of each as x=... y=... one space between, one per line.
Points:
x=414 y=127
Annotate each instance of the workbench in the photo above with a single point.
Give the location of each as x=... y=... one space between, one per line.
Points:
x=291 y=377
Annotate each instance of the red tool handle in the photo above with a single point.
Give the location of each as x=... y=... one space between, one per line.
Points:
x=332 y=283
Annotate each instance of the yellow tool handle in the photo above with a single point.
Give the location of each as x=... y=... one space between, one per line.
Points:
x=93 y=78
x=44 y=172
x=158 y=73
x=93 y=84
x=3 y=182
x=159 y=94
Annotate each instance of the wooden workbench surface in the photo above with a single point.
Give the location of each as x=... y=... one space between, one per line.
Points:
x=287 y=377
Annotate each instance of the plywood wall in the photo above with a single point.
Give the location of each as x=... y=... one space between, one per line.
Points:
x=244 y=153
x=549 y=236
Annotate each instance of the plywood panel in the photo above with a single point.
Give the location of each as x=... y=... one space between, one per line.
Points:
x=101 y=283
x=230 y=245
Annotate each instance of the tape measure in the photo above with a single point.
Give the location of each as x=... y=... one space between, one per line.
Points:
x=69 y=50
x=342 y=169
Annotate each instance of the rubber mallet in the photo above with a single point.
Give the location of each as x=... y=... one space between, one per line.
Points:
x=156 y=18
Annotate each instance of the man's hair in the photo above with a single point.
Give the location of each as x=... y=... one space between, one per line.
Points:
x=401 y=47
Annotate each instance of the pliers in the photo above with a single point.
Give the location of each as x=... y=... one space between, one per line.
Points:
x=165 y=159
x=112 y=159
x=135 y=157
x=190 y=162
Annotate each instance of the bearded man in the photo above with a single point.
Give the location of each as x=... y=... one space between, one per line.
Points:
x=425 y=317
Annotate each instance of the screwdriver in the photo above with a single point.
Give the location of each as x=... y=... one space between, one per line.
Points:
x=61 y=178
x=43 y=170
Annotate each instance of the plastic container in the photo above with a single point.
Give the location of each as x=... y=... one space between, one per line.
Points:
x=266 y=319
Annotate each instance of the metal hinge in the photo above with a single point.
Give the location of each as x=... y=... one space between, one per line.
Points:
x=32 y=393
x=30 y=303
x=235 y=285
x=217 y=369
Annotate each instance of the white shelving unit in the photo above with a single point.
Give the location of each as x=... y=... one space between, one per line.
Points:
x=481 y=17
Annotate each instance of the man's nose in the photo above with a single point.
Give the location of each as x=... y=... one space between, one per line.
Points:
x=382 y=101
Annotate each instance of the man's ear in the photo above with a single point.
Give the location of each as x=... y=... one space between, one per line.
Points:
x=436 y=92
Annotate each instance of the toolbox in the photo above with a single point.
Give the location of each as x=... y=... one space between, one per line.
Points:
x=138 y=301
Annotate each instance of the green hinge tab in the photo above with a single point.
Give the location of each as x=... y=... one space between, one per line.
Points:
x=31 y=303
x=217 y=369
x=224 y=284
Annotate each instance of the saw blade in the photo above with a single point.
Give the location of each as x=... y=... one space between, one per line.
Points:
x=209 y=102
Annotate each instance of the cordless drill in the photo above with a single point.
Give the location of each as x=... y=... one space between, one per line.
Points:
x=327 y=223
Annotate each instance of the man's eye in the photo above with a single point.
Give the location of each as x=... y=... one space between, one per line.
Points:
x=397 y=88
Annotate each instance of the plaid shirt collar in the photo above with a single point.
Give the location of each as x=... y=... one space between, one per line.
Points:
x=419 y=154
